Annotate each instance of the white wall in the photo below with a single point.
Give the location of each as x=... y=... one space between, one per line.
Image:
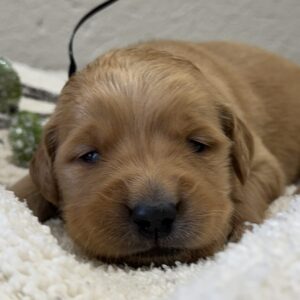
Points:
x=36 y=32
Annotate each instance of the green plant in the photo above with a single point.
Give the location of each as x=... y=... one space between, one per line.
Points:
x=24 y=136
x=10 y=88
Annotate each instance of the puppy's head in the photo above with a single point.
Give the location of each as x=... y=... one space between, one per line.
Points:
x=140 y=158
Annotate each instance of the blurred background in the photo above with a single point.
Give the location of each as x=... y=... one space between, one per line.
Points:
x=36 y=32
x=35 y=35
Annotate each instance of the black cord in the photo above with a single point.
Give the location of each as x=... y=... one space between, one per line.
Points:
x=72 y=66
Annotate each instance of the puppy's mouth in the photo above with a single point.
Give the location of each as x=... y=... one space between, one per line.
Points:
x=159 y=252
x=155 y=256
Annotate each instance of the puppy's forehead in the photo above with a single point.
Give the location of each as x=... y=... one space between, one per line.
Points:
x=138 y=85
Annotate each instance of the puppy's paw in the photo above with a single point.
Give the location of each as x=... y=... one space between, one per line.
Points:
x=238 y=231
x=297 y=192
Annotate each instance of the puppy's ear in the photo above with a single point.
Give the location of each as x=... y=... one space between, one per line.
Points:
x=41 y=166
x=242 y=143
x=26 y=191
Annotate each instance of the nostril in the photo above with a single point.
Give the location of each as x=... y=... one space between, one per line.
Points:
x=167 y=222
x=154 y=220
x=178 y=206
x=143 y=224
x=141 y=216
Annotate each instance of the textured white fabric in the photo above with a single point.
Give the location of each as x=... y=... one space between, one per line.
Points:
x=264 y=265
x=40 y=261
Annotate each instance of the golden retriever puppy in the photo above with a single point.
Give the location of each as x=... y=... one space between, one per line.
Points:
x=161 y=151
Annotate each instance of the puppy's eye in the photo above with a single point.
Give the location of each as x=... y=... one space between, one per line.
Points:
x=197 y=146
x=90 y=157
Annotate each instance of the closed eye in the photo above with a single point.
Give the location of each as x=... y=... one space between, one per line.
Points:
x=197 y=147
x=90 y=157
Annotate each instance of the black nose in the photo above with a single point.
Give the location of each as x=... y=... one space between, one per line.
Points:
x=156 y=220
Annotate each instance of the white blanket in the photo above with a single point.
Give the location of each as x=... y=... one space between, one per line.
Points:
x=264 y=265
x=40 y=262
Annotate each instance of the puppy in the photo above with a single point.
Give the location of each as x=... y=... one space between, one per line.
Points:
x=161 y=151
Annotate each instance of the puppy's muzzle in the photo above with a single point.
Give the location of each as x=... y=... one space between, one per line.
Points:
x=154 y=221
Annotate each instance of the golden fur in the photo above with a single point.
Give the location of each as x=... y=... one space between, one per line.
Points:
x=138 y=107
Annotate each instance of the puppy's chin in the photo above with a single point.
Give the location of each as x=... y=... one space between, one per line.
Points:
x=159 y=256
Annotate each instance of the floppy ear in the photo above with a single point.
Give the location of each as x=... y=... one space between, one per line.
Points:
x=242 y=143
x=25 y=190
x=41 y=166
